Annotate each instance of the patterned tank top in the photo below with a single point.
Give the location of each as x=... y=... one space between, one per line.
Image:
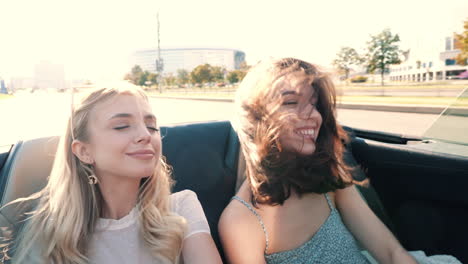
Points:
x=332 y=243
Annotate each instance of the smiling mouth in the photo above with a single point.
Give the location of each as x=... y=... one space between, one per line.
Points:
x=142 y=155
x=306 y=133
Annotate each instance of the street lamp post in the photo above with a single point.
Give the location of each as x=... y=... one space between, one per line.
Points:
x=159 y=60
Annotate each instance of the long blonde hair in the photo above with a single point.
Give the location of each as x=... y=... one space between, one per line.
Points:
x=69 y=207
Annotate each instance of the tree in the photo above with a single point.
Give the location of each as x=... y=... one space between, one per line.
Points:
x=462 y=44
x=236 y=76
x=153 y=78
x=136 y=70
x=134 y=75
x=244 y=66
x=233 y=77
x=218 y=73
x=170 y=80
x=201 y=74
x=182 y=76
x=142 y=78
x=345 y=58
x=383 y=51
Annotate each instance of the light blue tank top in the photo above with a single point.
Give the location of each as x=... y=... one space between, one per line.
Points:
x=332 y=243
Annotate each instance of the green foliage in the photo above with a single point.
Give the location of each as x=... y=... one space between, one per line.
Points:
x=359 y=79
x=244 y=67
x=143 y=78
x=139 y=77
x=236 y=76
x=5 y=96
x=153 y=78
x=462 y=44
x=207 y=73
x=345 y=58
x=170 y=80
x=382 y=50
x=136 y=70
x=201 y=74
x=217 y=73
x=183 y=76
x=242 y=74
x=232 y=77
x=134 y=74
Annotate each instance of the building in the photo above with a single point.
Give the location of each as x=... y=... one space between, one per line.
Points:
x=21 y=83
x=430 y=67
x=3 y=88
x=188 y=59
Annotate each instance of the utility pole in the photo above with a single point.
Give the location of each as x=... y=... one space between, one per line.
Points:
x=159 y=60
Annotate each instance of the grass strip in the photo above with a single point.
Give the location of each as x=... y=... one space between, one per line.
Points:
x=5 y=96
x=411 y=100
x=392 y=87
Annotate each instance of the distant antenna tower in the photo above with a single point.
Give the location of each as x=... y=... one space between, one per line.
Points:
x=159 y=60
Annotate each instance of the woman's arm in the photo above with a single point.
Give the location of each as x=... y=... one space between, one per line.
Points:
x=198 y=245
x=241 y=235
x=368 y=229
x=200 y=248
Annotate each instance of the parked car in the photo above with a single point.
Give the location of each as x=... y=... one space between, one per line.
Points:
x=463 y=75
x=416 y=185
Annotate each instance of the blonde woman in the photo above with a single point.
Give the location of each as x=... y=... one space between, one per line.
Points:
x=298 y=204
x=108 y=196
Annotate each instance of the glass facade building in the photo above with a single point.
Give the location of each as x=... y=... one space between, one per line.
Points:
x=188 y=59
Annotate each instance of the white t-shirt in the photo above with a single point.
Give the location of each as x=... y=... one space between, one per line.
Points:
x=119 y=241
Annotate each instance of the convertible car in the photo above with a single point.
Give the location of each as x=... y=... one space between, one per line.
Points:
x=417 y=186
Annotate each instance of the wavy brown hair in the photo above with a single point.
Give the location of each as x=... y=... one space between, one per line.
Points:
x=273 y=172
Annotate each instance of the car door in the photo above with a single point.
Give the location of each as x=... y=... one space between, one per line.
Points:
x=423 y=182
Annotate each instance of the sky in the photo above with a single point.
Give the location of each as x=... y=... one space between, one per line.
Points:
x=94 y=38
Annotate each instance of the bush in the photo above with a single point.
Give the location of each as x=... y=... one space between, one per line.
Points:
x=359 y=79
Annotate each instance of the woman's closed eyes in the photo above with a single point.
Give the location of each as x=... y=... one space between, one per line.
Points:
x=151 y=128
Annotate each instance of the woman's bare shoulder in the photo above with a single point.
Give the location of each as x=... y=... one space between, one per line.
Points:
x=237 y=212
x=237 y=223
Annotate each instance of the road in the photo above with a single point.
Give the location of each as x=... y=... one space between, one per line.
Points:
x=43 y=114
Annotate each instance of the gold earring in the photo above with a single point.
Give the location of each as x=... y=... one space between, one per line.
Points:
x=92 y=179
